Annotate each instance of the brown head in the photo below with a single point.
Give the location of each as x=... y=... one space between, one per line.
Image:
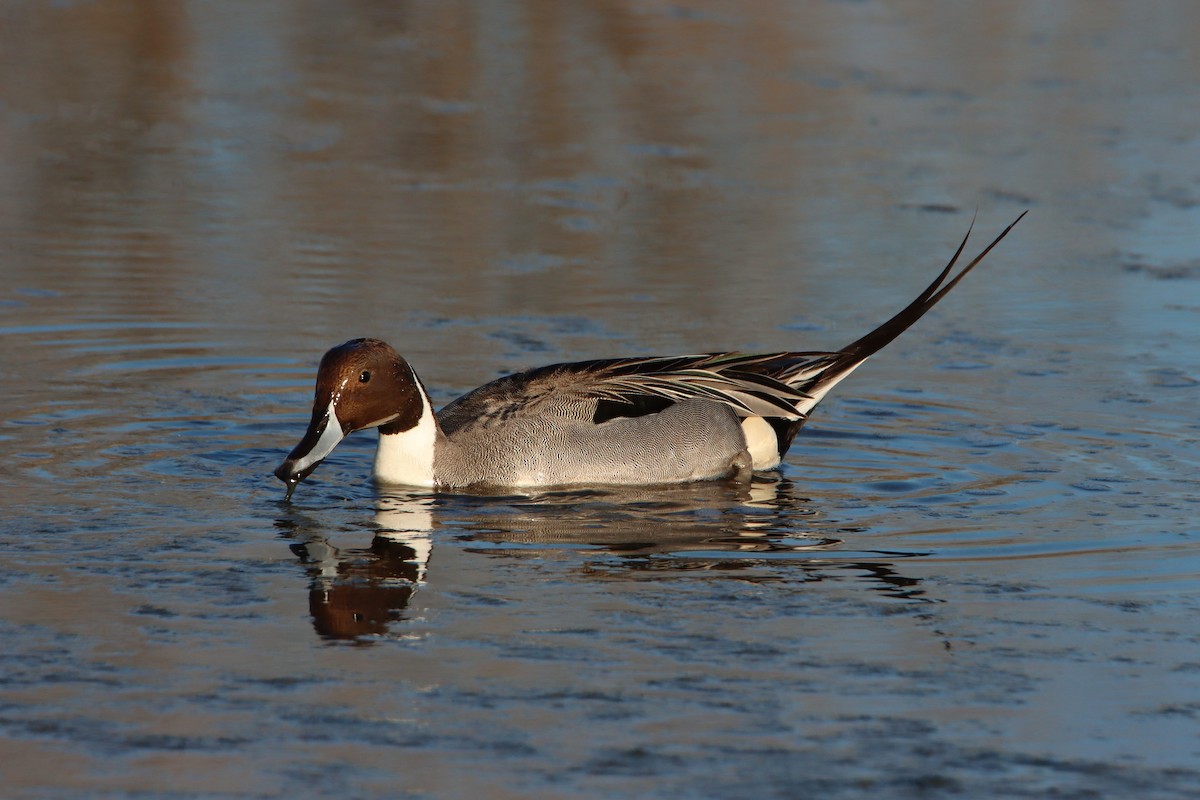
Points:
x=363 y=383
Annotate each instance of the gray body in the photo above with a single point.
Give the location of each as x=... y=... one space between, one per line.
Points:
x=688 y=441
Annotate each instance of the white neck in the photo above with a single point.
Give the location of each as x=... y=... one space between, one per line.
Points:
x=407 y=457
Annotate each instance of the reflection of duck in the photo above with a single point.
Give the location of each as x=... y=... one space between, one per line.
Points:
x=674 y=520
x=759 y=532
x=358 y=592
x=755 y=532
x=627 y=421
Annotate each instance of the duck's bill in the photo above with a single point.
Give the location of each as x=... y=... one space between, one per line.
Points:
x=323 y=434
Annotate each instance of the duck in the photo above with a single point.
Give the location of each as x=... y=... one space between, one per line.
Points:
x=617 y=421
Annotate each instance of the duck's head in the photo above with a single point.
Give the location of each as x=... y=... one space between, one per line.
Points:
x=363 y=383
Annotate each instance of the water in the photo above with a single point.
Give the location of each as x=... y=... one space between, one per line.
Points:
x=974 y=576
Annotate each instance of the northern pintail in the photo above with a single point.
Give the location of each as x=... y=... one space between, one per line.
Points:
x=614 y=421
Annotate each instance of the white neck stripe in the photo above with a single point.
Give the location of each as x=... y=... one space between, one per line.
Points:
x=407 y=457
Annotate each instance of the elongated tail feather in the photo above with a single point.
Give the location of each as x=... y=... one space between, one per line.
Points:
x=852 y=355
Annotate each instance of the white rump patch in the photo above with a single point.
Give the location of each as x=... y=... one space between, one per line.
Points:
x=761 y=441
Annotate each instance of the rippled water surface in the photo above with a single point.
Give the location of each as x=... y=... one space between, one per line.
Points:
x=975 y=575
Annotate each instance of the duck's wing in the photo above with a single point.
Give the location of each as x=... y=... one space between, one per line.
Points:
x=624 y=387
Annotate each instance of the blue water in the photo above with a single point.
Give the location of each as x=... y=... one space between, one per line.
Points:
x=974 y=576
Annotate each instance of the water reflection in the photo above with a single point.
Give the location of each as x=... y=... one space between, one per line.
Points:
x=357 y=592
x=760 y=533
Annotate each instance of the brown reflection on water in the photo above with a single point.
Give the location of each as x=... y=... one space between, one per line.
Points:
x=300 y=172
x=357 y=592
x=305 y=168
x=300 y=158
x=96 y=94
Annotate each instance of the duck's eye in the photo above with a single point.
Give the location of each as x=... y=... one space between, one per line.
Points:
x=365 y=376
